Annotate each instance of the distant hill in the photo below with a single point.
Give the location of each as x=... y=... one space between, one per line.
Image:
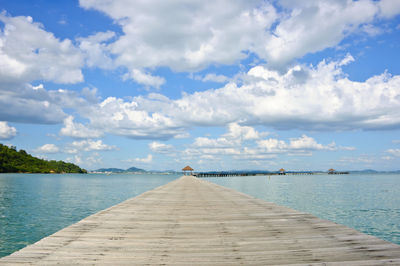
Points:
x=112 y=170
x=366 y=171
x=118 y=170
x=13 y=161
x=371 y=171
x=134 y=169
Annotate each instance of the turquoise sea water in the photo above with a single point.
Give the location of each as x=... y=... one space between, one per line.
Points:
x=33 y=206
x=369 y=203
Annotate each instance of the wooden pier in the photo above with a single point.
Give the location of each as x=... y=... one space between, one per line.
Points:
x=194 y=222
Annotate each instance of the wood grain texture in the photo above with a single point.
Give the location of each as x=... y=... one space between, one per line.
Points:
x=191 y=221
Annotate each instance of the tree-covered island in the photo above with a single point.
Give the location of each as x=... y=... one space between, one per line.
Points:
x=13 y=161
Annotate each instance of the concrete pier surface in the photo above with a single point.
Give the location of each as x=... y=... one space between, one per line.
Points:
x=194 y=222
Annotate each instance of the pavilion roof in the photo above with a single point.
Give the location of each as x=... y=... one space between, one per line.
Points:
x=187 y=168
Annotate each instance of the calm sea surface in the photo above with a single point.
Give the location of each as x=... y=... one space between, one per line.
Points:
x=369 y=203
x=33 y=206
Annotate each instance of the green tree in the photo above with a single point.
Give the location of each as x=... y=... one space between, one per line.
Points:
x=13 y=161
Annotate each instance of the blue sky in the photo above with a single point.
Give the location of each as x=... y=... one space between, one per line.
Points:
x=303 y=85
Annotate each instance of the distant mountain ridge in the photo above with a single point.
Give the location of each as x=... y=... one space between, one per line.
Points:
x=118 y=170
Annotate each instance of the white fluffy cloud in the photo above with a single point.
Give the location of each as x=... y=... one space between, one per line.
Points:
x=28 y=52
x=305 y=97
x=389 y=8
x=254 y=149
x=28 y=104
x=78 y=130
x=34 y=104
x=161 y=147
x=96 y=50
x=6 y=131
x=395 y=152
x=191 y=35
x=236 y=131
x=185 y=35
x=203 y=142
x=212 y=77
x=147 y=159
x=301 y=144
x=312 y=26
x=130 y=119
x=89 y=161
x=235 y=136
x=88 y=145
x=145 y=78
x=47 y=148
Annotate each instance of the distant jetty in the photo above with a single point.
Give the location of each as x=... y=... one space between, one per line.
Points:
x=256 y=173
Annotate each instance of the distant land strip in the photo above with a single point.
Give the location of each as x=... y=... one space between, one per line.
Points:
x=13 y=161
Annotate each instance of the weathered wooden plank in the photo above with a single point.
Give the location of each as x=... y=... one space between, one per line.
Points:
x=191 y=221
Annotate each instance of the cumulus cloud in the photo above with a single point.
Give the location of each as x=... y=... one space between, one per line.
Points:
x=188 y=35
x=6 y=131
x=203 y=142
x=255 y=148
x=371 y=30
x=47 y=148
x=28 y=52
x=304 y=97
x=310 y=97
x=191 y=35
x=212 y=77
x=395 y=152
x=161 y=147
x=34 y=104
x=236 y=131
x=229 y=142
x=145 y=78
x=140 y=118
x=28 y=104
x=93 y=160
x=389 y=8
x=317 y=97
x=147 y=159
x=78 y=130
x=76 y=160
x=88 y=145
x=96 y=51
x=301 y=144
x=387 y=158
x=311 y=26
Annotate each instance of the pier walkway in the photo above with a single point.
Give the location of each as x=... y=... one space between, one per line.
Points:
x=193 y=222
